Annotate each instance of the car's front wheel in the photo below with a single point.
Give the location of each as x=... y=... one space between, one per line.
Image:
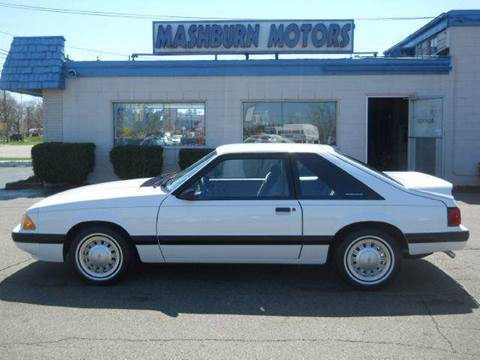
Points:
x=368 y=259
x=100 y=255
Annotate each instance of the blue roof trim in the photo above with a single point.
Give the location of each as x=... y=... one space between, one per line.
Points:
x=259 y=67
x=440 y=23
x=34 y=63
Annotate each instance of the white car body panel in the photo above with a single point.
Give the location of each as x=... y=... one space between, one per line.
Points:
x=153 y=217
x=123 y=202
x=325 y=217
x=232 y=253
x=150 y=253
x=232 y=217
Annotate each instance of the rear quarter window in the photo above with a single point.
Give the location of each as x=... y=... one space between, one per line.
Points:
x=318 y=178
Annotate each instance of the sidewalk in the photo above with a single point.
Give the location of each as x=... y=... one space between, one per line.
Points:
x=15 y=151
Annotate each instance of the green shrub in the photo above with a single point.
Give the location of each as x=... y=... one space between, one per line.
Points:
x=132 y=161
x=63 y=163
x=187 y=157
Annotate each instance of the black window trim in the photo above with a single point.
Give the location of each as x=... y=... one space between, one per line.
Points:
x=298 y=194
x=263 y=155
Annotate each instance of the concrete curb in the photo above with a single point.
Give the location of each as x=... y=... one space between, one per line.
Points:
x=23 y=193
x=15 y=163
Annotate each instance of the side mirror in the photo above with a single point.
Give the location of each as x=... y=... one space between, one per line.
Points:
x=187 y=194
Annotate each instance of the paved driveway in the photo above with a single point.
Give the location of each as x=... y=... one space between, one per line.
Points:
x=238 y=312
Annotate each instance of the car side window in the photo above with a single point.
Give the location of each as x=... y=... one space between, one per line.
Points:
x=318 y=178
x=244 y=178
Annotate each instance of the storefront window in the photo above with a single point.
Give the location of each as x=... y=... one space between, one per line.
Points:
x=166 y=124
x=300 y=122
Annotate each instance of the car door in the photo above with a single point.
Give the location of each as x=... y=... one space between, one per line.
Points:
x=239 y=208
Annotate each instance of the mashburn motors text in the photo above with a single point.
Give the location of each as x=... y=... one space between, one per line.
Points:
x=247 y=36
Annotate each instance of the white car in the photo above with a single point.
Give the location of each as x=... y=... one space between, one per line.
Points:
x=250 y=203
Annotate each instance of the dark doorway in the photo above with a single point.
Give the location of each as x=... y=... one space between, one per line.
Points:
x=388 y=133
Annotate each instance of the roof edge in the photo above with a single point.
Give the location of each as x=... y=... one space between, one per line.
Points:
x=451 y=18
x=312 y=67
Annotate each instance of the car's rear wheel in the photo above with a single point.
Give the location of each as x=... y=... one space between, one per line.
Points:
x=100 y=255
x=368 y=259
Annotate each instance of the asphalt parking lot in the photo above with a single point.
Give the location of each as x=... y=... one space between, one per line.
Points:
x=237 y=312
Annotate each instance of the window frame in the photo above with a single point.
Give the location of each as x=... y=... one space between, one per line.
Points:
x=291 y=101
x=174 y=102
x=275 y=155
x=372 y=194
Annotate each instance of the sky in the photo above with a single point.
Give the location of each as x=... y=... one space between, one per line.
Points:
x=126 y=36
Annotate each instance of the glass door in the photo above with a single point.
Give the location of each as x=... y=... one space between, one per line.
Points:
x=425 y=135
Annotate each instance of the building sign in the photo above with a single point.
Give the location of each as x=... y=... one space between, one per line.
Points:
x=266 y=37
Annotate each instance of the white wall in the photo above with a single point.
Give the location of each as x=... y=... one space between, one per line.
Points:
x=53 y=115
x=464 y=133
x=88 y=112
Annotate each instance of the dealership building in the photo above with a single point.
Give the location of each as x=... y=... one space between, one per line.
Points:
x=415 y=108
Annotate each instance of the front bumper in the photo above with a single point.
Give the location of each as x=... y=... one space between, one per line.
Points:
x=44 y=247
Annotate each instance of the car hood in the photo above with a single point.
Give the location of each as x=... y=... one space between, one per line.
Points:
x=126 y=193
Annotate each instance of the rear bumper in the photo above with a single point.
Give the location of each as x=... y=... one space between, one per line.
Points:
x=426 y=243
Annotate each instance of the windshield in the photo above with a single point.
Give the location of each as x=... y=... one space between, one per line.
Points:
x=173 y=181
x=351 y=160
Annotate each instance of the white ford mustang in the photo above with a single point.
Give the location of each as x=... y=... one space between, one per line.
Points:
x=250 y=203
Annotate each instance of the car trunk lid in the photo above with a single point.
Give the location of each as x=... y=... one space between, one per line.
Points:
x=422 y=182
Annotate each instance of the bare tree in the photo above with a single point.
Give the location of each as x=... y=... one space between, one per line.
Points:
x=17 y=117
x=33 y=115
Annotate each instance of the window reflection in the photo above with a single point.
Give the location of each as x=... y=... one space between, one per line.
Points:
x=243 y=179
x=300 y=122
x=165 y=124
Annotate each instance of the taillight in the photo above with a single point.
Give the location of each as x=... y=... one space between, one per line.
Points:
x=454 y=216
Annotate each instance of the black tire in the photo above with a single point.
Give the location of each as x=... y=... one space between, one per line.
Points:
x=107 y=255
x=367 y=249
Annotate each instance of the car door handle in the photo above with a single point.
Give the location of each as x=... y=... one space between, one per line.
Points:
x=283 y=209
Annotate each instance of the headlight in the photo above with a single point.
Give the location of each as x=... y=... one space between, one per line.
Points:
x=27 y=223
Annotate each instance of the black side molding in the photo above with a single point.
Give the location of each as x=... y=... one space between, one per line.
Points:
x=189 y=240
x=452 y=236
x=144 y=239
x=245 y=240
x=38 y=238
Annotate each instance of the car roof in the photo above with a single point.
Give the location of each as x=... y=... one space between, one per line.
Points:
x=273 y=148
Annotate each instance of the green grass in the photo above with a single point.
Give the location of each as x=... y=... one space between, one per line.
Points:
x=26 y=141
x=14 y=158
